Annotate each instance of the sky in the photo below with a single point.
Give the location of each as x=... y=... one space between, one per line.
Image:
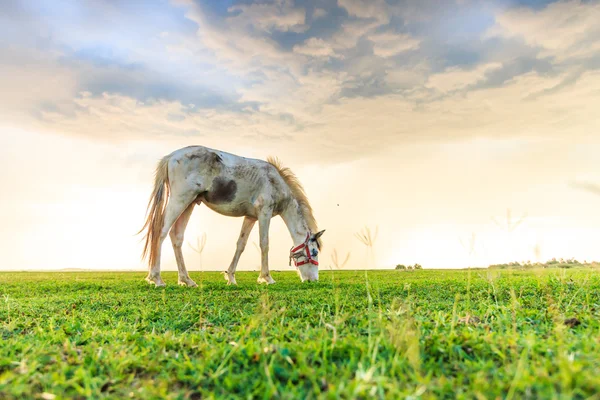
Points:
x=422 y=120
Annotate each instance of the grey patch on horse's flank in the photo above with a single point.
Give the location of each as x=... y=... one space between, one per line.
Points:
x=222 y=191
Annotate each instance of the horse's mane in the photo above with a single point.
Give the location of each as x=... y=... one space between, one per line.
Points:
x=298 y=192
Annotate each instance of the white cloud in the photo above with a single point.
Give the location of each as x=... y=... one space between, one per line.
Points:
x=413 y=77
x=565 y=29
x=115 y=117
x=237 y=49
x=391 y=44
x=315 y=47
x=369 y=9
x=457 y=78
x=297 y=94
x=243 y=51
x=381 y=11
x=350 y=33
x=280 y=15
x=369 y=124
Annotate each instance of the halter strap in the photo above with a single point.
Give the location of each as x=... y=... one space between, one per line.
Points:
x=303 y=246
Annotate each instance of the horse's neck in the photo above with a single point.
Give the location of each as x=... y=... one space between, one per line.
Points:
x=295 y=223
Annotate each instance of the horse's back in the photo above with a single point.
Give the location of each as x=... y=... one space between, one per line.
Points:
x=227 y=183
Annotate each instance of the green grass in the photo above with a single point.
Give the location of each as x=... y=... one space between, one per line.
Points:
x=423 y=334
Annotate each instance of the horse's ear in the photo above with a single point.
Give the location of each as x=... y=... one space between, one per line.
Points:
x=318 y=235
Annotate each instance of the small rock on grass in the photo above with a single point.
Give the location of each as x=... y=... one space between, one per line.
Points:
x=572 y=322
x=469 y=319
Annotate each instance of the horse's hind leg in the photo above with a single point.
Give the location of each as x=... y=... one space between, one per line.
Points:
x=177 y=234
x=178 y=202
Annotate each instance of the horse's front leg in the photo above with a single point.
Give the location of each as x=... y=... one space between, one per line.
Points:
x=247 y=226
x=263 y=229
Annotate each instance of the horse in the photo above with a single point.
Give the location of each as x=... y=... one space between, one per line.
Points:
x=232 y=186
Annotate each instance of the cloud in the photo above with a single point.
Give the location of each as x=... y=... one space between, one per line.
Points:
x=116 y=116
x=455 y=78
x=49 y=62
x=368 y=125
x=407 y=78
x=280 y=15
x=564 y=30
x=349 y=34
x=368 y=9
x=240 y=48
x=37 y=84
x=263 y=70
x=390 y=44
x=315 y=47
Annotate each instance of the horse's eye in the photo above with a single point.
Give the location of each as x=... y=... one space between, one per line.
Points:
x=314 y=252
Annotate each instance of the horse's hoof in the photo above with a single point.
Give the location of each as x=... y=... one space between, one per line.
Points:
x=187 y=282
x=231 y=280
x=158 y=282
x=266 y=279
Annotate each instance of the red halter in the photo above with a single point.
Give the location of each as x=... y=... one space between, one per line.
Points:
x=303 y=246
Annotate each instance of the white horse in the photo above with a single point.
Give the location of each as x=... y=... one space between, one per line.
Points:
x=237 y=187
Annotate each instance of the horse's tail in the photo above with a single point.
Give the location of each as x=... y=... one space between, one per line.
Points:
x=155 y=213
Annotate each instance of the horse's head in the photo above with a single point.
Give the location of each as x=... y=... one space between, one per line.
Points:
x=306 y=257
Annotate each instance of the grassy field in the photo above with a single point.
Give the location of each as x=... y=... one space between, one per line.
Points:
x=355 y=334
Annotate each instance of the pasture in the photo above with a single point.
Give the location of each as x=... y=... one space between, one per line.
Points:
x=482 y=334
